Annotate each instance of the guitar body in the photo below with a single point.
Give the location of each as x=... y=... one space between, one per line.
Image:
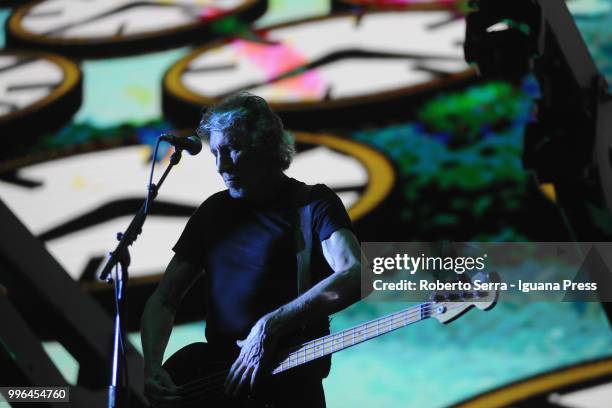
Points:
x=200 y=371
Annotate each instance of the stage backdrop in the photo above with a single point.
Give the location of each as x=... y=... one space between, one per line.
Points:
x=384 y=110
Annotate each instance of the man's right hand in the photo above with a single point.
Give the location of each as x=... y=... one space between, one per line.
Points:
x=159 y=387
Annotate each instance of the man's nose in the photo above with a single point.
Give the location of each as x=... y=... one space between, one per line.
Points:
x=224 y=162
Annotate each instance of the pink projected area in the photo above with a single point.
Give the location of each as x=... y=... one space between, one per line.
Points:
x=210 y=13
x=276 y=60
x=401 y=2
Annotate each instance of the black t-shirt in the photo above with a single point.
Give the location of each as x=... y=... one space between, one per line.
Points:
x=249 y=256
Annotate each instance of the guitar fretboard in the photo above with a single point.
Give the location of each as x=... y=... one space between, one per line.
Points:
x=326 y=345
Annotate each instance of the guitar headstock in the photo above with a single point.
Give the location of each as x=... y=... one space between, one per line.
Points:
x=449 y=305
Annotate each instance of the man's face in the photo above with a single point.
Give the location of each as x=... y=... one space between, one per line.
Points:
x=241 y=166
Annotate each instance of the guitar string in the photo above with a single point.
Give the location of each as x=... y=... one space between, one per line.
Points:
x=200 y=387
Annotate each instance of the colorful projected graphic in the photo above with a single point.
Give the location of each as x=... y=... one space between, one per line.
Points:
x=396 y=4
x=89 y=197
x=124 y=26
x=464 y=119
x=579 y=385
x=38 y=92
x=325 y=68
x=589 y=8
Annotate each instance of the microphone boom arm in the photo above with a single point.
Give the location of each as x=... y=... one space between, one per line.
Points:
x=135 y=228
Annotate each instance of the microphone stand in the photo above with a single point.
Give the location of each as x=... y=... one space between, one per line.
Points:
x=118 y=391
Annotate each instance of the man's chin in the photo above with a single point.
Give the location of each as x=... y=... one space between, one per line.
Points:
x=236 y=192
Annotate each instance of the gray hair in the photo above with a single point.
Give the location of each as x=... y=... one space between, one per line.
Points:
x=251 y=115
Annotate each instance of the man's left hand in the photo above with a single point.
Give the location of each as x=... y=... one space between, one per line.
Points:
x=255 y=354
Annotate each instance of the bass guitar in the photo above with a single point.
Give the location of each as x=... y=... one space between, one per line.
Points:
x=200 y=373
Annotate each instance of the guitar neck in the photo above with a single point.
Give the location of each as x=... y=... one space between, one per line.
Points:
x=332 y=343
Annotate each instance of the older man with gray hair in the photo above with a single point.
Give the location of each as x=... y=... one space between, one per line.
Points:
x=264 y=290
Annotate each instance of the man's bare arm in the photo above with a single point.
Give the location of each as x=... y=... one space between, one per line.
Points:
x=332 y=294
x=157 y=321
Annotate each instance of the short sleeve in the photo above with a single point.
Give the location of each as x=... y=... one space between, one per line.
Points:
x=192 y=242
x=328 y=212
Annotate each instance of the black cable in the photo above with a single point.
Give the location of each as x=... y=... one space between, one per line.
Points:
x=150 y=185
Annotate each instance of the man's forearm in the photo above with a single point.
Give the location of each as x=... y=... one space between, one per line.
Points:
x=327 y=297
x=157 y=321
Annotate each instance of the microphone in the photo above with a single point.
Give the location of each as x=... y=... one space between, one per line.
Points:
x=192 y=144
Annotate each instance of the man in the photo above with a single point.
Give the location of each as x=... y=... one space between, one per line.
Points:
x=243 y=241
